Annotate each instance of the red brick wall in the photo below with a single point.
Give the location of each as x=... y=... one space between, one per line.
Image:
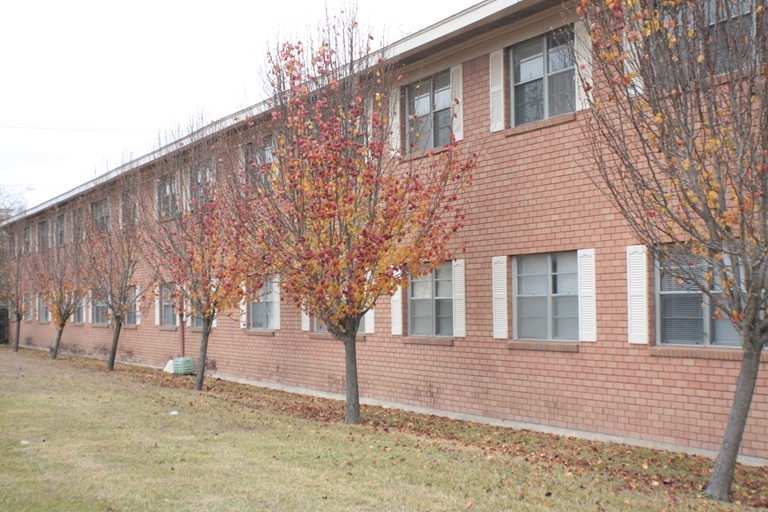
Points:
x=529 y=196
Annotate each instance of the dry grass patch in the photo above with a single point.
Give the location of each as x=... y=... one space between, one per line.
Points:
x=74 y=437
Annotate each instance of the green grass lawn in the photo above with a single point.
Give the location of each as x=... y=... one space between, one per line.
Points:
x=74 y=437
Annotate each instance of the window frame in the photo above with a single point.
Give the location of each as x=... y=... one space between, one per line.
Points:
x=412 y=134
x=167 y=196
x=168 y=305
x=433 y=300
x=43 y=312
x=100 y=216
x=550 y=297
x=43 y=236
x=703 y=304
x=266 y=297
x=100 y=312
x=543 y=40
x=131 y=315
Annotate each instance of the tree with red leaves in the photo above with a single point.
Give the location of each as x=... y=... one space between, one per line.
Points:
x=335 y=212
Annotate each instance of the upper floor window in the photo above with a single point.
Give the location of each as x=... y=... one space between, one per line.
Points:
x=129 y=212
x=78 y=231
x=686 y=316
x=167 y=196
x=100 y=215
x=430 y=303
x=12 y=244
x=547 y=296
x=42 y=236
x=200 y=182
x=543 y=83
x=430 y=119
x=60 y=230
x=27 y=242
x=257 y=156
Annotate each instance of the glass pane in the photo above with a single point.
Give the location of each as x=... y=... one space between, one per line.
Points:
x=532 y=285
x=566 y=318
x=671 y=283
x=535 y=264
x=532 y=318
x=258 y=315
x=561 y=93
x=724 y=334
x=529 y=102
x=444 y=317
x=443 y=127
x=419 y=99
x=419 y=133
x=682 y=319
x=421 y=288
x=559 y=53
x=421 y=317
x=442 y=91
x=444 y=271
x=565 y=284
x=528 y=61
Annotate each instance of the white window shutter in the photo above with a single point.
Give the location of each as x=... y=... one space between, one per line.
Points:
x=215 y=322
x=304 y=320
x=157 y=305
x=276 y=302
x=587 y=295
x=637 y=294
x=243 y=313
x=499 y=288
x=457 y=100
x=394 y=121
x=369 y=322
x=459 y=301
x=137 y=306
x=496 y=79
x=583 y=49
x=396 y=313
x=89 y=309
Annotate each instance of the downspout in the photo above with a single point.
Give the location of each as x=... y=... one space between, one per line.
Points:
x=181 y=334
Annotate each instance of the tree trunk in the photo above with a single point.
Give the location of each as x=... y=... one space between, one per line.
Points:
x=353 y=393
x=207 y=322
x=18 y=333
x=55 y=351
x=722 y=476
x=115 y=337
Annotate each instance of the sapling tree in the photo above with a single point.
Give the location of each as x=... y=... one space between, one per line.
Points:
x=676 y=137
x=332 y=208
x=191 y=242
x=111 y=243
x=13 y=275
x=54 y=272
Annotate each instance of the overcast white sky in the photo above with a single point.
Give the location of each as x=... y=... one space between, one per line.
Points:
x=88 y=85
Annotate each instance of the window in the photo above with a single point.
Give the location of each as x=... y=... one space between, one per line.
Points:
x=60 y=230
x=27 y=305
x=43 y=313
x=262 y=311
x=129 y=212
x=685 y=315
x=42 y=236
x=167 y=196
x=27 y=247
x=547 y=296
x=100 y=312
x=78 y=316
x=430 y=119
x=543 y=83
x=200 y=181
x=100 y=215
x=255 y=158
x=131 y=316
x=430 y=303
x=12 y=244
x=78 y=232
x=167 y=306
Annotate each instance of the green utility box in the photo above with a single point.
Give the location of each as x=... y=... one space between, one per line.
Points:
x=183 y=366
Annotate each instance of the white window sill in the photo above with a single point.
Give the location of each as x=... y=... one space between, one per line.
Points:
x=537 y=125
x=544 y=346
x=428 y=340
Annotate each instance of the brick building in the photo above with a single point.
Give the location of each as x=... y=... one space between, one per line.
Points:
x=551 y=319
